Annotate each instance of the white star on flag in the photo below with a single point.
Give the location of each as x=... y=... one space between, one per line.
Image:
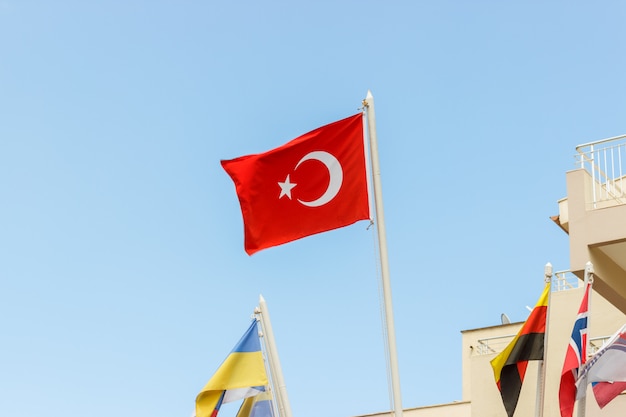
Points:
x=285 y=188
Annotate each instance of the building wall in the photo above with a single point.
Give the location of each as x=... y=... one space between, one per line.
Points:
x=481 y=397
x=597 y=235
x=455 y=409
x=604 y=320
x=478 y=381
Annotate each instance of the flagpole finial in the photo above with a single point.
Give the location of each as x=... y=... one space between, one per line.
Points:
x=548 y=272
x=257 y=309
x=369 y=99
x=589 y=272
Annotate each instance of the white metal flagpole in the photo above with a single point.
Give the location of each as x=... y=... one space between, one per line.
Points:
x=541 y=372
x=284 y=408
x=582 y=403
x=382 y=244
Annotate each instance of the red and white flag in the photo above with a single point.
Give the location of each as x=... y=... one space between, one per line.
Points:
x=575 y=357
x=312 y=184
x=606 y=370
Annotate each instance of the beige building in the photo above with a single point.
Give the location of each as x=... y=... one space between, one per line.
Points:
x=593 y=214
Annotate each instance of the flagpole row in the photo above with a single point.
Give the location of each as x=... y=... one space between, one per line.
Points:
x=382 y=244
x=280 y=389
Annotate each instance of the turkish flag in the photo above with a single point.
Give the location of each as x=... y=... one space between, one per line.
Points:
x=312 y=184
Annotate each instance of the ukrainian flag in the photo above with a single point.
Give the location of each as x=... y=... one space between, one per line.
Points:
x=241 y=375
x=257 y=406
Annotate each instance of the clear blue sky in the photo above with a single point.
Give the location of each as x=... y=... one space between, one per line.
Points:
x=123 y=279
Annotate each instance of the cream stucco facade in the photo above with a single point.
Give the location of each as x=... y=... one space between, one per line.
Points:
x=480 y=396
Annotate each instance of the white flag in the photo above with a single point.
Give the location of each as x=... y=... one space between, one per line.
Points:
x=607 y=365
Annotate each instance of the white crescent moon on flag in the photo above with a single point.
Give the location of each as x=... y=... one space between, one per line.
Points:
x=336 y=176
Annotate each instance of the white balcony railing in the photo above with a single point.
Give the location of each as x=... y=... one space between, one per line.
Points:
x=605 y=160
x=565 y=280
x=489 y=345
x=494 y=344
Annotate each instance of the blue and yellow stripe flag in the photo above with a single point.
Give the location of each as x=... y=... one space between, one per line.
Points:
x=257 y=406
x=241 y=375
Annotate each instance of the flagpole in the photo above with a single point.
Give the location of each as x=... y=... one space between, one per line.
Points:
x=280 y=390
x=541 y=374
x=368 y=103
x=582 y=403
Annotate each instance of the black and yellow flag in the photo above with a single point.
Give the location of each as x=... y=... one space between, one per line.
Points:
x=509 y=367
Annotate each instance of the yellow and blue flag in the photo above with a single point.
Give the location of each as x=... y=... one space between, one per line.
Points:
x=257 y=406
x=241 y=375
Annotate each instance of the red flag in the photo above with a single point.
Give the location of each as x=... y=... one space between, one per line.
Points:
x=575 y=357
x=606 y=391
x=312 y=184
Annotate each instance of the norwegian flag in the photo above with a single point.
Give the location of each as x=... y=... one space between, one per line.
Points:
x=574 y=358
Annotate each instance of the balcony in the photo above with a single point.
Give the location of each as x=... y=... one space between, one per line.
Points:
x=594 y=216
